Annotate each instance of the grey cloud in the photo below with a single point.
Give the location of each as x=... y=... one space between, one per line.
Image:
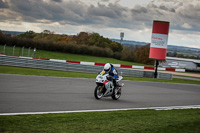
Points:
x=71 y=11
x=189 y=14
x=105 y=0
x=175 y=1
x=163 y=7
x=77 y=12
x=139 y=9
x=172 y=10
x=36 y=9
x=57 y=0
x=3 y=4
x=177 y=14
x=110 y=11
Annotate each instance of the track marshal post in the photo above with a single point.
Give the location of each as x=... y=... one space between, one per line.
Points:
x=158 y=47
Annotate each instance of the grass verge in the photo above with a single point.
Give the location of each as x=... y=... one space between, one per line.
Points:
x=132 y=121
x=42 y=72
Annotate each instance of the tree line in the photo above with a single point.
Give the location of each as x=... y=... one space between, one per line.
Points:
x=83 y=43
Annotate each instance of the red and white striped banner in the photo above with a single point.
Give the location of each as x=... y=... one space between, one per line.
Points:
x=158 y=47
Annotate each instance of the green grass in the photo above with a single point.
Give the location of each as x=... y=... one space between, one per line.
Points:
x=66 y=56
x=42 y=72
x=187 y=76
x=87 y=58
x=132 y=121
x=17 y=51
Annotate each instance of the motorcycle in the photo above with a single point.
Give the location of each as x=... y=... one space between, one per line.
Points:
x=105 y=87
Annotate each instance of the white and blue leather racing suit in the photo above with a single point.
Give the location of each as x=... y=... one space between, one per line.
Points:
x=112 y=72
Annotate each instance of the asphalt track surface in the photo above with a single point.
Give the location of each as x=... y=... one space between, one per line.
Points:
x=21 y=93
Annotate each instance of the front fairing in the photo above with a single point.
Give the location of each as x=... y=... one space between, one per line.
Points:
x=101 y=78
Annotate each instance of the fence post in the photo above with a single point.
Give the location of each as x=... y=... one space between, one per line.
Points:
x=29 y=51
x=22 y=51
x=4 y=49
x=34 y=52
x=13 y=50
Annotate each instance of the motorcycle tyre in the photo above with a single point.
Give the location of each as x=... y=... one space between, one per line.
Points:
x=96 y=91
x=114 y=96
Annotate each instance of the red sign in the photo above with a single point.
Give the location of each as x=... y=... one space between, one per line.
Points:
x=158 y=47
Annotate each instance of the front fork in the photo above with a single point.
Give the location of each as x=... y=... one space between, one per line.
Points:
x=102 y=89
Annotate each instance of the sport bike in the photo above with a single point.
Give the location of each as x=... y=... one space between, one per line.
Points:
x=105 y=87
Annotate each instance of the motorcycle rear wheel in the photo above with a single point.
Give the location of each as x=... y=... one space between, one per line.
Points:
x=117 y=93
x=98 y=92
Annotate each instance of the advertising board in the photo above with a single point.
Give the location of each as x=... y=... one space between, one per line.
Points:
x=158 y=47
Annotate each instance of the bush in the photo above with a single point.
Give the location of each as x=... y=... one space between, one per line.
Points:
x=143 y=55
x=117 y=55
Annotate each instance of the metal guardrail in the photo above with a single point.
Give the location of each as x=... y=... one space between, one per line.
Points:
x=64 y=66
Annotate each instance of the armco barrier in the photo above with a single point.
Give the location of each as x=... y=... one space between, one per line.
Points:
x=66 y=66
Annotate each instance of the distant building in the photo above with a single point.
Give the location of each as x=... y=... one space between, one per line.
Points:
x=173 y=62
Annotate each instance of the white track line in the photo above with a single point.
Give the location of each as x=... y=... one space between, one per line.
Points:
x=103 y=110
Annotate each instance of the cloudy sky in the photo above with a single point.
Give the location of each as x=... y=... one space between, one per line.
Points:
x=106 y=17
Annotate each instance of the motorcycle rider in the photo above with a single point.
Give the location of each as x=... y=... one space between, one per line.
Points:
x=109 y=68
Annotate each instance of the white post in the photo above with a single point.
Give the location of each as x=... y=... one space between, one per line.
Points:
x=29 y=51
x=22 y=50
x=13 y=50
x=4 y=49
x=34 y=52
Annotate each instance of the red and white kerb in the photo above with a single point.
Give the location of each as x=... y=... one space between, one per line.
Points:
x=158 y=47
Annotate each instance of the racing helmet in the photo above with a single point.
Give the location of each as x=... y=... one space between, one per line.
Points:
x=107 y=67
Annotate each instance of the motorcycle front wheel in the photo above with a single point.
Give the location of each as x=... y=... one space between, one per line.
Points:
x=117 y=93
x=98 y=92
